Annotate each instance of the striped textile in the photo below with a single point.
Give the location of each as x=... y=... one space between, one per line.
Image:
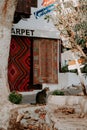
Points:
x=20 y=64
x=45 y=67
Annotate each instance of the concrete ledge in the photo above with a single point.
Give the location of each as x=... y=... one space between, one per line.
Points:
x=73 y=101
x=76 y=120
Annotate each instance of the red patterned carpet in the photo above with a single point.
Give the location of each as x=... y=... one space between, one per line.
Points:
x=20 y=64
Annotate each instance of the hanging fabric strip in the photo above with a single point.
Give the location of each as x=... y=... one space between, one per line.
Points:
x=45 y=68
x=19 y=64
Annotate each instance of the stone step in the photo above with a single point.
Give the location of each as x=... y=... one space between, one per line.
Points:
x=60 y=106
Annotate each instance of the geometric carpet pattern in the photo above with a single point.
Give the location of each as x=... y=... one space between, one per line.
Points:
x=20 y=64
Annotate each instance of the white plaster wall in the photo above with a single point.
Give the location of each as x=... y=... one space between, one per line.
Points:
x=6 y=18
x=41 y=27
x=37 y=24
x=66 y=80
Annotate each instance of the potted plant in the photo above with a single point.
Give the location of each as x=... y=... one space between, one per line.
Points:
x=15 y=97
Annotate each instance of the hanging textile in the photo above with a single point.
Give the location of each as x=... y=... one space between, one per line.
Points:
x=45 y=61
x=23 y=9
x=24 y=6
x=20 y=64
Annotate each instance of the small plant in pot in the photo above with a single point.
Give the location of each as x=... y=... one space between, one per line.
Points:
x=58 y=92
x=15 y=97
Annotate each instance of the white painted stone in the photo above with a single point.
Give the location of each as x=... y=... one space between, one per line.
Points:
x=6 y=18
x=77 y=121
x=70 y=101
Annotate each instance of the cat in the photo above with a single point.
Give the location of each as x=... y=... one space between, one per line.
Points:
x=41 y=97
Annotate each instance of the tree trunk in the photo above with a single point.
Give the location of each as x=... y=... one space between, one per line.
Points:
x=80 y=76
x=7 y=9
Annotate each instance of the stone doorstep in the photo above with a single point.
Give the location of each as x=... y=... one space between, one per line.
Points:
x=77 y=121
x=70 y=101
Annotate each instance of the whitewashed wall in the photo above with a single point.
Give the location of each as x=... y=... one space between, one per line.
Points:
x=41 y=27
x=66 y=80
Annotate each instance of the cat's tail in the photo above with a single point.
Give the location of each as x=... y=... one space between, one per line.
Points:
x=37 y=104
x=33 y=103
